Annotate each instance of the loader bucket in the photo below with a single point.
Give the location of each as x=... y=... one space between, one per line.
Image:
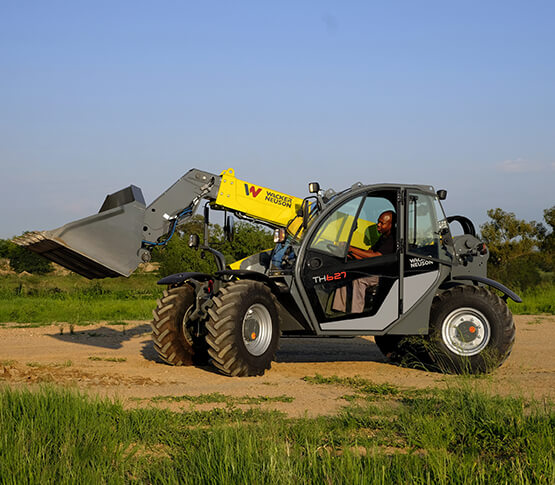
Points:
x=104 y=245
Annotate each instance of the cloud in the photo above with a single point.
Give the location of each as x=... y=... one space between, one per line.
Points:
x=521 y=165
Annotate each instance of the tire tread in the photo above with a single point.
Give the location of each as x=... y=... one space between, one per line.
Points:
x=221 y=335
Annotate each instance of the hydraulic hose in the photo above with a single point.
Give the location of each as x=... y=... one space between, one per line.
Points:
x=187 y=210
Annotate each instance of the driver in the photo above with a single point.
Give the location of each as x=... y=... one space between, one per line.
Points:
x=386 y=242
x=384 y=245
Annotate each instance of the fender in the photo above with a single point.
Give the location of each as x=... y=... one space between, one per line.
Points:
x=248 y=275
x=494 y=284
x=177 y=278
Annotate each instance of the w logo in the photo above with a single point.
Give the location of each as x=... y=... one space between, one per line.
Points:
x=254 y=191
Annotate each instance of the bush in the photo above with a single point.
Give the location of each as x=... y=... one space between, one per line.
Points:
x=250 y=239
x=522 y=273
x=22 y=259
x=178 y=257
x=5 y=247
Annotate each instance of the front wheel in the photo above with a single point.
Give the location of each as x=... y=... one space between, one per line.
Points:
x=243 y=329
x=471 y=330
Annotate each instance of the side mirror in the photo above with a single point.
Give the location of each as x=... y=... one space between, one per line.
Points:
x=229 y=228
x=194 y=241
x=306 y=213
x=279 y=235
x=441 y=194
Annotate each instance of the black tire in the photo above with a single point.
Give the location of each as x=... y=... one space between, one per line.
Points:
x=241 y=307
x=471 y=330
x=173 y=343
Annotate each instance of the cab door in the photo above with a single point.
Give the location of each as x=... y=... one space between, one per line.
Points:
x=347 y=292
x=425 y=249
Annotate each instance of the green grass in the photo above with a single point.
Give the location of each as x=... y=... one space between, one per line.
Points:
x=217 y=397
x=67 y=363
x=71 y=285
x=107 y=359
x=41 y=300
x=74 y=299
x=49 y=299
x=364 y=388
x=457 y=435
x=45 y=311
x=537 y=301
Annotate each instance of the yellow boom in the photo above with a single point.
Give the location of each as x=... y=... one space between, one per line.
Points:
x=255 y=201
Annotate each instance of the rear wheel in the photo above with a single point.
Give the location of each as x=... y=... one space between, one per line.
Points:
x=471 y=330
x=172 y=338
x=243 y=329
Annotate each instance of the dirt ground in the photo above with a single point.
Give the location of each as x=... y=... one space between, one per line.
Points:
x=121 y=362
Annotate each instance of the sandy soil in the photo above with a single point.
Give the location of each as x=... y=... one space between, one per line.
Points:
x=128 y=367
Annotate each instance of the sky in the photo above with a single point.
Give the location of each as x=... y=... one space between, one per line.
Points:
x=97 y=95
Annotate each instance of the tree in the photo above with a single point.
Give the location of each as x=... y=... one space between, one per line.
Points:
x=517 y=248
x=178 y=257
x=5 y=246
x=547 y=244
x=248 y=239
x=507 y=237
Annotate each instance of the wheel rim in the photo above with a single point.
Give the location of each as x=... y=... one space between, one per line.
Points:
x=466 y=332
x=257 y=329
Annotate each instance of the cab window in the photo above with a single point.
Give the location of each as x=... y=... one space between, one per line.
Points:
x=366 y=234
x=425 y=222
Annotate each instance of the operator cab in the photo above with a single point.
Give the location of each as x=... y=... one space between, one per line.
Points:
x=360 y=274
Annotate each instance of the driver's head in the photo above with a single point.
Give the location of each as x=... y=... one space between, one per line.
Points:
x=386 y=222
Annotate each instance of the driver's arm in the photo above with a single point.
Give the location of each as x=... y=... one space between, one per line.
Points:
x=357 y=253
